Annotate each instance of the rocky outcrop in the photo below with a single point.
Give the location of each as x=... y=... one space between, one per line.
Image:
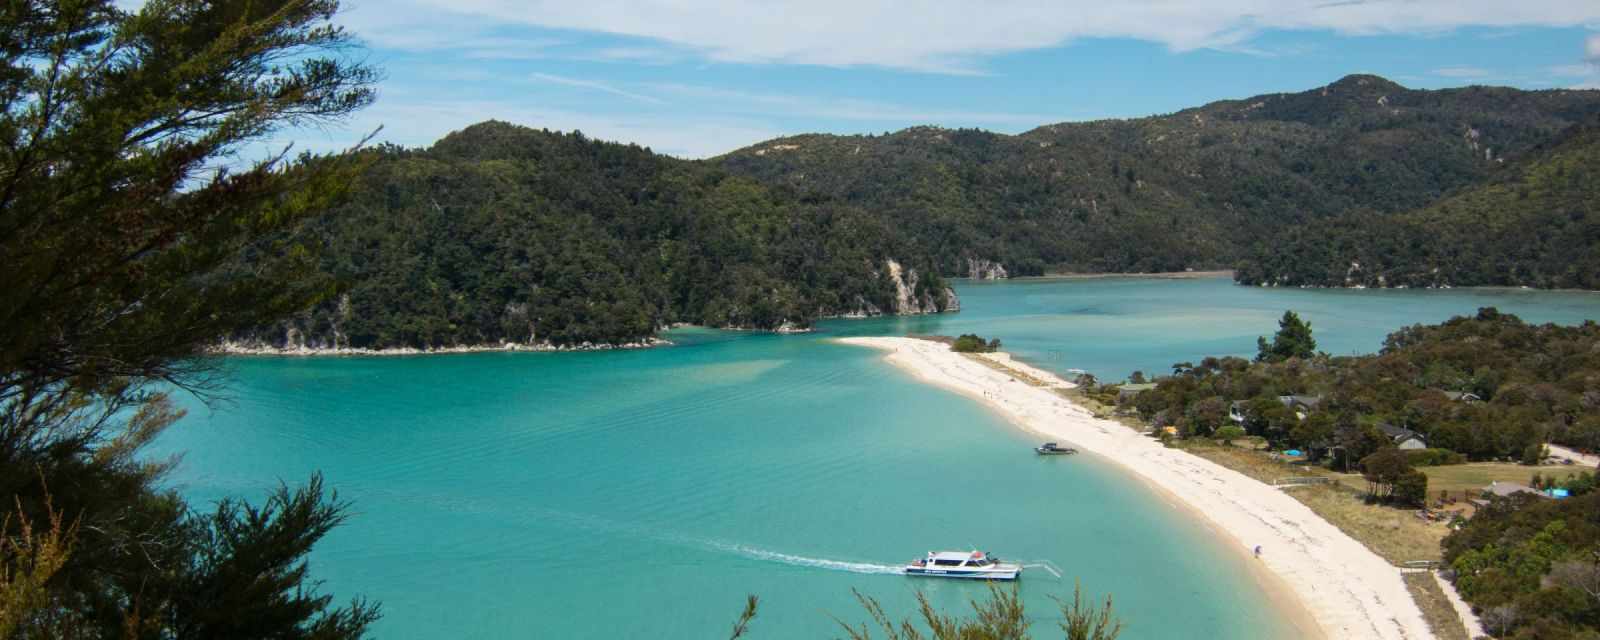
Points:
x=907 y=301
x=952 y=304
x=979 y=269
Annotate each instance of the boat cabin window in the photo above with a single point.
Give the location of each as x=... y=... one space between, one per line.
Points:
x=947 y=563
x=981 y=562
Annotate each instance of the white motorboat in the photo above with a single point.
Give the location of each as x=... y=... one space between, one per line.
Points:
x=1053 y=449
x=975 y=565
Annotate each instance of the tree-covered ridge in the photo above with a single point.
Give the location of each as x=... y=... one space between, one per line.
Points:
x=1528 y=384
x=1194 y=189
x=1536 y=223
x=500 y=233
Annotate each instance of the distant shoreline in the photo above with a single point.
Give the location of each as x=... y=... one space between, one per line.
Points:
x=229 y=348
x=1336 y=588
x=1156 y=275
x=1130 y=275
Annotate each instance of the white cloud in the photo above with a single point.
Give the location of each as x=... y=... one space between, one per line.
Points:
x=1461 y=72
x=1572 y=70
x=845 y=108
x=952 y=36
x=592 y=85
x=1592 y=49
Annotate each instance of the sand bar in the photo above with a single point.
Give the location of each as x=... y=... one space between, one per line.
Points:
x=1349 y=592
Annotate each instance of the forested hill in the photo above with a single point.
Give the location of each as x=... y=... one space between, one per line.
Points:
x=1536 y=224
x=1194 y=189
x=500 y=233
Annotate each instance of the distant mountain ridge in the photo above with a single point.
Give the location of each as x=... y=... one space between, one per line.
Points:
x=1193 y=189
x=500 y=233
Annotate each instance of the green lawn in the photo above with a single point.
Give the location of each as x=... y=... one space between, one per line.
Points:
x=1471 y=477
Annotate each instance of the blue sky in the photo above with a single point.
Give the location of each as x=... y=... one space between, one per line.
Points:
x=696 y=79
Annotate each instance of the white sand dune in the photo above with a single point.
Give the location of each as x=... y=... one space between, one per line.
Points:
x=1348 y=591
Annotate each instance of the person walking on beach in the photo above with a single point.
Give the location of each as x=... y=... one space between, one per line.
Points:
x=1258 y=551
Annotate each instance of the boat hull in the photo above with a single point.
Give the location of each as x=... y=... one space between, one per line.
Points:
x=999 y=574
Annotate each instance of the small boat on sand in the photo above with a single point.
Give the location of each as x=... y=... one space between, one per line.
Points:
x=971 y=565
x=1053 y=449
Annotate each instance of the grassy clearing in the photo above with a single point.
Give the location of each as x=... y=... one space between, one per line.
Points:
x=1396 y=535
x=1477 y=475
x=1436 y=609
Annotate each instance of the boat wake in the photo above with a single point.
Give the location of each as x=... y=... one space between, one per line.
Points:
x=1048 y=566
x=816 y=563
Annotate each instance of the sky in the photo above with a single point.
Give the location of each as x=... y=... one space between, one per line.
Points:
x=697 y=79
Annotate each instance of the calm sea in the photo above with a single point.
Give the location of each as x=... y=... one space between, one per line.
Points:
x=645 y=493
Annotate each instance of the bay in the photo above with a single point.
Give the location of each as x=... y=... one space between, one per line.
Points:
x=644 y=493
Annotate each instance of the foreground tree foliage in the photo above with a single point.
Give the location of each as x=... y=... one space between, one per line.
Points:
x=1000 y=617
x=120 y=238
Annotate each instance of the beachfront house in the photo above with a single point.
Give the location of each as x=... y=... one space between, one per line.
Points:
x=1462 y=396
x=1302 y=406
x=1403 y=438
x=1236 y=411
x=1129 y=392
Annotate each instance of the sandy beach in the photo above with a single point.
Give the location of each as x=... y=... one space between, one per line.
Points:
x=1347 y=591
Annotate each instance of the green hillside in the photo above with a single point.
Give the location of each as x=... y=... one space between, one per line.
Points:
x=1194 y=189
x=1536 y=223
x=500 y=233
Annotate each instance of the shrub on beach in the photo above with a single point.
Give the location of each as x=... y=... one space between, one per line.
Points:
x=972 y=343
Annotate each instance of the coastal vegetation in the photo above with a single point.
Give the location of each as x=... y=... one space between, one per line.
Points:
x=1531 y=565
x=972 y=343
x=120 y=239
x=1487 y=387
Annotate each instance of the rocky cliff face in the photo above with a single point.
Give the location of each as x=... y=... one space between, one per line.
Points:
x=978 y=269
x=908 y=300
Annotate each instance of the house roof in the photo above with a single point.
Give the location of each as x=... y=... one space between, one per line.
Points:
x=1506 y=489
x=1398 y=434
x=1461 y=395
x=1309 y=401
x=1138 y=387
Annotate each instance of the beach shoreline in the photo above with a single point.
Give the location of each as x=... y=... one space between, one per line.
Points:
x=1326 y=583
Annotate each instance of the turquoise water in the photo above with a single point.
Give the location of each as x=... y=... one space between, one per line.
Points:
x=644 y=493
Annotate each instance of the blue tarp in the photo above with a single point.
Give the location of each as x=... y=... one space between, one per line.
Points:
x=1557 y=493
x=1292 y=452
